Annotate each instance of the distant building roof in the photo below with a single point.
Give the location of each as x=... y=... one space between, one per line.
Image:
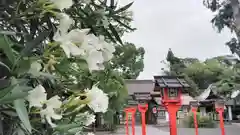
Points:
x=170 y=81
x=203 y=96
x=136 y=86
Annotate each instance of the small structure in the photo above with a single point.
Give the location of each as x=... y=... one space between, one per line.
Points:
x=207 y=102
x=171 y=89
x=143 y=91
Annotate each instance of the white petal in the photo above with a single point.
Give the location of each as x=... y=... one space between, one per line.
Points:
x=49 y=120
x=77 y=35
x=56 y=116
x=37 y=96
x=90 y=133
x=75 y=51
x=57 y=36
x=95 y=60
x=93 y=41
x=90 y=118
x=54 y=102
x=36 y=66
x=66 y=50
x=49 y=113
x=99 y=100
x=107 y=55
x=64 y=23
x=61 y=4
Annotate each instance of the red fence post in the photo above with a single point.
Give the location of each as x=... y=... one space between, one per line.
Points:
x=194 y=110
x=131 y=110
x=143 y=109
x=219 y=106
x=172 y=109
x=220 y=114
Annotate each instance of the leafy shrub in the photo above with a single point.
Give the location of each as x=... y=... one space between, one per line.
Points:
x=203 y=121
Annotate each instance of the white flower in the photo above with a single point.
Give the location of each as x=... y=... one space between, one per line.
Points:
x=95 y=60
x=90 y=133
x=90 y=118
x=91 y=42
x=107 y=49
x=35 y=68
x=78 y=36
x=69 y=41
x=61 y=4
x=99 y=99
x=37 y=96
x=49 y=112
x=64 y=23
x=87 y=118
x=79 y=43
x=71 y=49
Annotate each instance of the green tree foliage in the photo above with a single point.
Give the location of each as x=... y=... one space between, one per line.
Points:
x=177 y=67
x=228 y=16
x=128 y=60
x=222 y=71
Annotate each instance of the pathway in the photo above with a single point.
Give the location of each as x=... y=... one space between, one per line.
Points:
x=138 y=131
x=151 y=130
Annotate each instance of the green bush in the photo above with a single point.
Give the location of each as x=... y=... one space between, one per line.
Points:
x=203 y=121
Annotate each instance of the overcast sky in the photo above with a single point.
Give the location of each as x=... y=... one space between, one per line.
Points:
x=182 y=25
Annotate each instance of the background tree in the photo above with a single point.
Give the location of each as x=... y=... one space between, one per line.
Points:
x=228 y=15
x=128 y=60
x=221 y=71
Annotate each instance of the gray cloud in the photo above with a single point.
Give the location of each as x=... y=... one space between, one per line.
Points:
x=183 y=25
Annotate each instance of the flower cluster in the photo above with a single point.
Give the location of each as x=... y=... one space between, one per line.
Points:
x=74 y=43
x=38 y=98
x=51 y=108
x=79 y=43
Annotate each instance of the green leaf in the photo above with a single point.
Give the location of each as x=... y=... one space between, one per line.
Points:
x=18 y=92
x=5 y=91
x=6 y=47
x=114 y=32
x=112 y=4
x=109 y=35
x=20 y=132
x=34 y=43
x=126 y=26
x=123 y=8
x=65 y=127
x=22 y=112
x=23 y=66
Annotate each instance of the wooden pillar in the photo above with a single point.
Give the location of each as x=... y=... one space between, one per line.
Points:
x=229 y=112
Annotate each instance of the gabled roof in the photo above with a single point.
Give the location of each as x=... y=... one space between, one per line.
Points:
x=170 y=81
x=203 y=96
x=208 y=93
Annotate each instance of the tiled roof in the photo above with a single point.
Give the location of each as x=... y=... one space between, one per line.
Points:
x=170 y=81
